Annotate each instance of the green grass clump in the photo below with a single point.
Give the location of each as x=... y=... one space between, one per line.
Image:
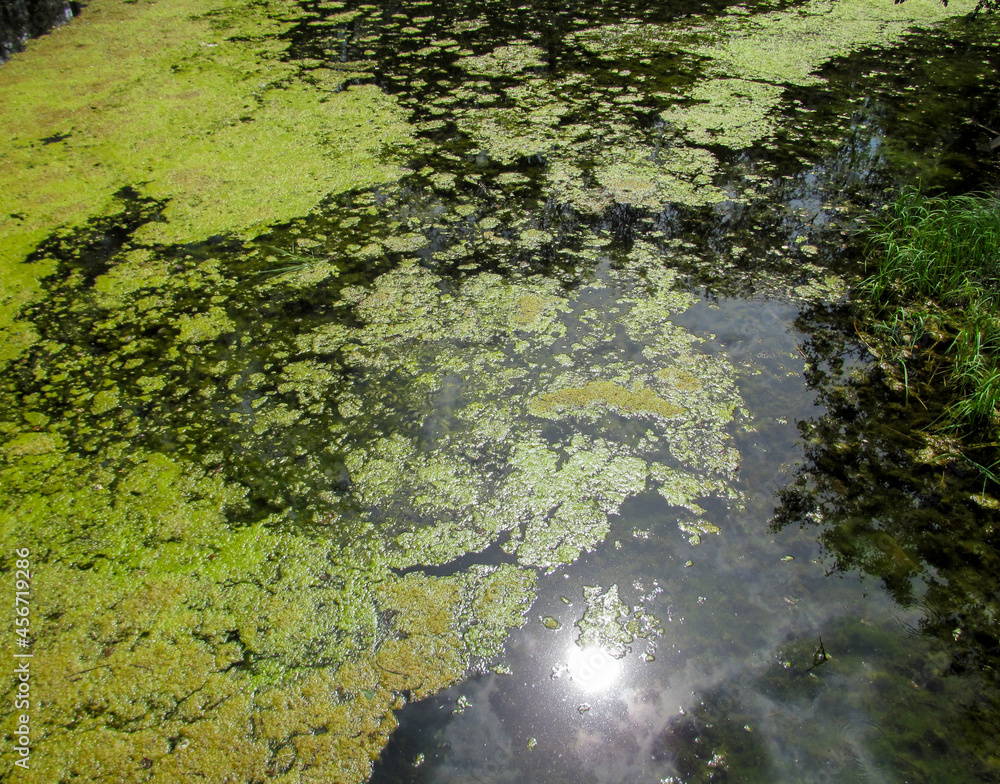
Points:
x=935 y=291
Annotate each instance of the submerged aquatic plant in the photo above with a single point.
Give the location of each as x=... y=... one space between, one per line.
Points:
x=294 y=261
x=935 y=290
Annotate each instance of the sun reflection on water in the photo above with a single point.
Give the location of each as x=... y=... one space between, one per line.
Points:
x=593 y=669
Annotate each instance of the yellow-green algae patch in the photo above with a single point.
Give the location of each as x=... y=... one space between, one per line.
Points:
x=626 y=168
x=780 y=47
x=513 y=58
x=169 y=647
x=190 y=103
x=596 y=158
x=199 y=327
x=640 y=400
x=191 y=647
x=787 y=47
x=611 y=625
x=731 y=112
x=483 y=365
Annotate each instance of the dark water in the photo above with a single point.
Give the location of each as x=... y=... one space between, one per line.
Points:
x=842 y=627
x=799 y=645
x=24 y=19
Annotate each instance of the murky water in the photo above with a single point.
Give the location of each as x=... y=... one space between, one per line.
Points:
x=589 y=359
x=778 y=658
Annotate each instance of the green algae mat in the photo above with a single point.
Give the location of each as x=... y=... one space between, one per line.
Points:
x=322 y=349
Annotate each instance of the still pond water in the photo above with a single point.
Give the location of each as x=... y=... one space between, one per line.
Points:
x=599 y=332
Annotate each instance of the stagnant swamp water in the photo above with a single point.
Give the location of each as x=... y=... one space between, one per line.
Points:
x=488 y=368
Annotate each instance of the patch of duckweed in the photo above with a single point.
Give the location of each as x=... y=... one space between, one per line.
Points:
x=641 y=177
x=192 y=105
x=513 y=58
x=479 y=365
x=603 y=622
x=444 y=621
x=591 y=163
x=162 y=636
x=824 y=287
x=610 y=624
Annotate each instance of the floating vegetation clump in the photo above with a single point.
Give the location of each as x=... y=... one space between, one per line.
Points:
x=730 y=112
x=611 y=625
x=499 y=359
x=514 y=58
x=195 y=108
x=404 y=437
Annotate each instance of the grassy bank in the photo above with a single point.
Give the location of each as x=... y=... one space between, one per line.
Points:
x=934 y=295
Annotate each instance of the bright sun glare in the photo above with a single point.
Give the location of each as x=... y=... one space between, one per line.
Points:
x=593 y=669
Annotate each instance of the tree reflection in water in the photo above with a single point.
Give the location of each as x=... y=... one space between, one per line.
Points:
x=893 y=503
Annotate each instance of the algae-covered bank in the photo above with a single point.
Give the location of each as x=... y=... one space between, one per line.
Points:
x=367 y=359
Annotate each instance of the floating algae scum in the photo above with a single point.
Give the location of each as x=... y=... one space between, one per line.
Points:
x=359 y=357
